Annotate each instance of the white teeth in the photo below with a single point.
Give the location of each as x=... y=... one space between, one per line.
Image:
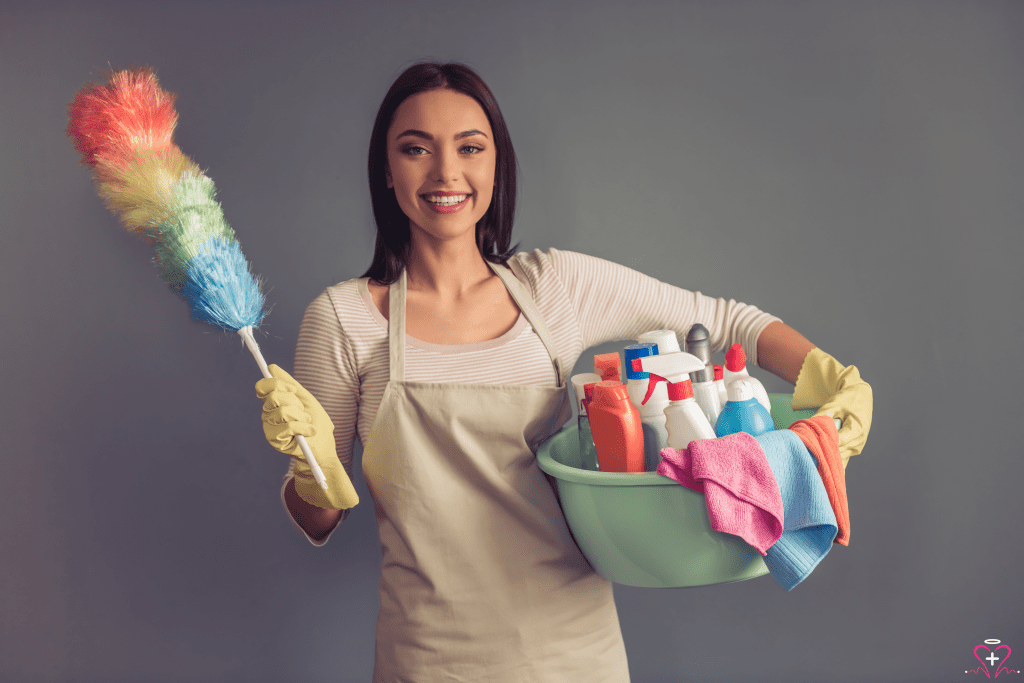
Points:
x=446 y=201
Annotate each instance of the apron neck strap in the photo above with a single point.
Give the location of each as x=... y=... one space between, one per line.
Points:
x=396 y=322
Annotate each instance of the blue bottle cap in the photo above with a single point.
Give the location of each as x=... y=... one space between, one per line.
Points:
x=638 y=351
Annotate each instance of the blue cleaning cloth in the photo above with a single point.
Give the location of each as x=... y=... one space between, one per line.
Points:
x=809 y=525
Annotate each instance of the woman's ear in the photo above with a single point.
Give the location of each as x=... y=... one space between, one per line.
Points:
x=387 y=174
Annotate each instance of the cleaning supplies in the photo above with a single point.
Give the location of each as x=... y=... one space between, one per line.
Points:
x=698 y=343
x=684 y=420
x=608 y=366
x=743 y=412
x=580 y=383
x=736 y=368
x=124 y=130
x=652 y=411
x=618 y=433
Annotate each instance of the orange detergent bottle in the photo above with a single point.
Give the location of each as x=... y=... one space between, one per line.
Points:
x=617 y=429
x=608 y=366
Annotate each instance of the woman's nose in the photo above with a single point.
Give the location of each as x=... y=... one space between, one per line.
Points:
x=446 y=167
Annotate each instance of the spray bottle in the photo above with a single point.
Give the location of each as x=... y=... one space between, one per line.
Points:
x=652 y=411
x=736 y=368
x=608 y=366
x=684 y=420
x=698 y=343
x=580 y=382
x=618 y=434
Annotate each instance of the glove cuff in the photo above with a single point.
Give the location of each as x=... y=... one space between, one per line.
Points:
x=817 y=381
x=340 y=494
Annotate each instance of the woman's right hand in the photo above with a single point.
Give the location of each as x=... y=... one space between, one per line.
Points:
x=289 y=411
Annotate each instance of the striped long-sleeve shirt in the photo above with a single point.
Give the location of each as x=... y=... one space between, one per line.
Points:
x=342 y=352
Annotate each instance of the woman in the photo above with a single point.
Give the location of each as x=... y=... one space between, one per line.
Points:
x=449 y=360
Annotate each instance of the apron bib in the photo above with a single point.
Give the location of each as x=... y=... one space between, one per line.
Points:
x=481 y=580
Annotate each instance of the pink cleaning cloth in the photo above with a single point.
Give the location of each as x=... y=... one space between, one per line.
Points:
x=732 y=472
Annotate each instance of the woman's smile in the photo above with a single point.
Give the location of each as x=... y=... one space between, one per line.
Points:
x=446 y=202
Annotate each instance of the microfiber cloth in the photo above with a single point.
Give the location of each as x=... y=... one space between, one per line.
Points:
x=810 y=525
x=733 y=474
x=822 y=440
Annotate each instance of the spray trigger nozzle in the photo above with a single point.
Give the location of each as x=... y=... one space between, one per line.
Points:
x=651 y=385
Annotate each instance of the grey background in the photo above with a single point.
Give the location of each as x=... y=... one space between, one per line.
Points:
x=854 y=168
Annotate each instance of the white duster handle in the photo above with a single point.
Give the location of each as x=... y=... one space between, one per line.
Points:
x=250 y=342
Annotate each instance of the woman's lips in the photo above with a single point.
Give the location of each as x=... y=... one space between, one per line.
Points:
x=446 y=202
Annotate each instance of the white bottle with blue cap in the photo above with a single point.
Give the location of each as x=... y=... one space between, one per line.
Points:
x=652 y=413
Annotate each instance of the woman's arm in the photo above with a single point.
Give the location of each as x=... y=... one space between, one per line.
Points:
x=781 y=350
x=315 y=521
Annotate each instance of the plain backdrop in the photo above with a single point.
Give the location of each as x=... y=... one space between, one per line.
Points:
x=855 y=168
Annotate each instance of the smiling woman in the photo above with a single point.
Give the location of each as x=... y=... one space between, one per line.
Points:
x=448 y=360
x=441 y=166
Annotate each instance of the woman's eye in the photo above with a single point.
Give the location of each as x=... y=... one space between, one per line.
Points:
x=472 y=149
x=415 y=150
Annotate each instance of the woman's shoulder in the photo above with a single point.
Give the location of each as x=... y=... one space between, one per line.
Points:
x=553 y=264
x=346 y=303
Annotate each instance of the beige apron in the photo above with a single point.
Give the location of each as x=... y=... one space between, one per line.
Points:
x=481 y=581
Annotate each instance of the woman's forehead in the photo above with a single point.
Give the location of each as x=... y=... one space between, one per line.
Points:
x=439 y=112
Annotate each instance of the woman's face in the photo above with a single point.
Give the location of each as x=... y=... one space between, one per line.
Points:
x=441 y=160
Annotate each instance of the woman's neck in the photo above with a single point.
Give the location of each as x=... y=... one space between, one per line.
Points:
x=448 y=268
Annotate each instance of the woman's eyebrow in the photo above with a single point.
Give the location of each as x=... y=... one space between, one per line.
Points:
x=412 y=132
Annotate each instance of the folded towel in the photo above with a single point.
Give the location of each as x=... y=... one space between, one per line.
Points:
x=819 y=435
x=810 y=525
x=735 y=478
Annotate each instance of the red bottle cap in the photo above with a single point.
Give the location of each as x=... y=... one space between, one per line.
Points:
x=680 y=391
x=719 y=373
x=608 y=392
x=735 y=358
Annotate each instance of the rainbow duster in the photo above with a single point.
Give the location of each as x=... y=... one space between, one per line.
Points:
x=124 y=131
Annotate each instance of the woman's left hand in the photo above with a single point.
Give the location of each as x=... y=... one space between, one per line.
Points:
x=839 y=392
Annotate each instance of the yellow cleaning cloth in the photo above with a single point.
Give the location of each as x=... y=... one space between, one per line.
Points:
x=288 y=411
x=838 y=392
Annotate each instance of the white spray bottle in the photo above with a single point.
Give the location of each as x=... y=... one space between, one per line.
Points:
x=650 y=405
x=684 y=420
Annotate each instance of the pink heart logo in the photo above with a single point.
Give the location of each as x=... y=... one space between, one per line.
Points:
x=992 y=659
x=985 y=647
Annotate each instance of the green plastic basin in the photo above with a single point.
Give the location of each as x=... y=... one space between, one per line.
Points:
x=647 y=530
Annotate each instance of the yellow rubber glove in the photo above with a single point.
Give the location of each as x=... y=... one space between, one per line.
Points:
x=839 y=392
x=288 y=411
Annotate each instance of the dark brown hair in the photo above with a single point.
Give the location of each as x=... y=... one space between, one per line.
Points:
x=494 y=230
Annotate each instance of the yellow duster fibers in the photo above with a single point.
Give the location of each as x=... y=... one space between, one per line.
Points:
x=141 y=192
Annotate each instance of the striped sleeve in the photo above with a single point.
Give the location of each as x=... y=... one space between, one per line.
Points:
x=613 y=302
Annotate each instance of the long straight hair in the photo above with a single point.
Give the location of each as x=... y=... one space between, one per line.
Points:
x=494 y=230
